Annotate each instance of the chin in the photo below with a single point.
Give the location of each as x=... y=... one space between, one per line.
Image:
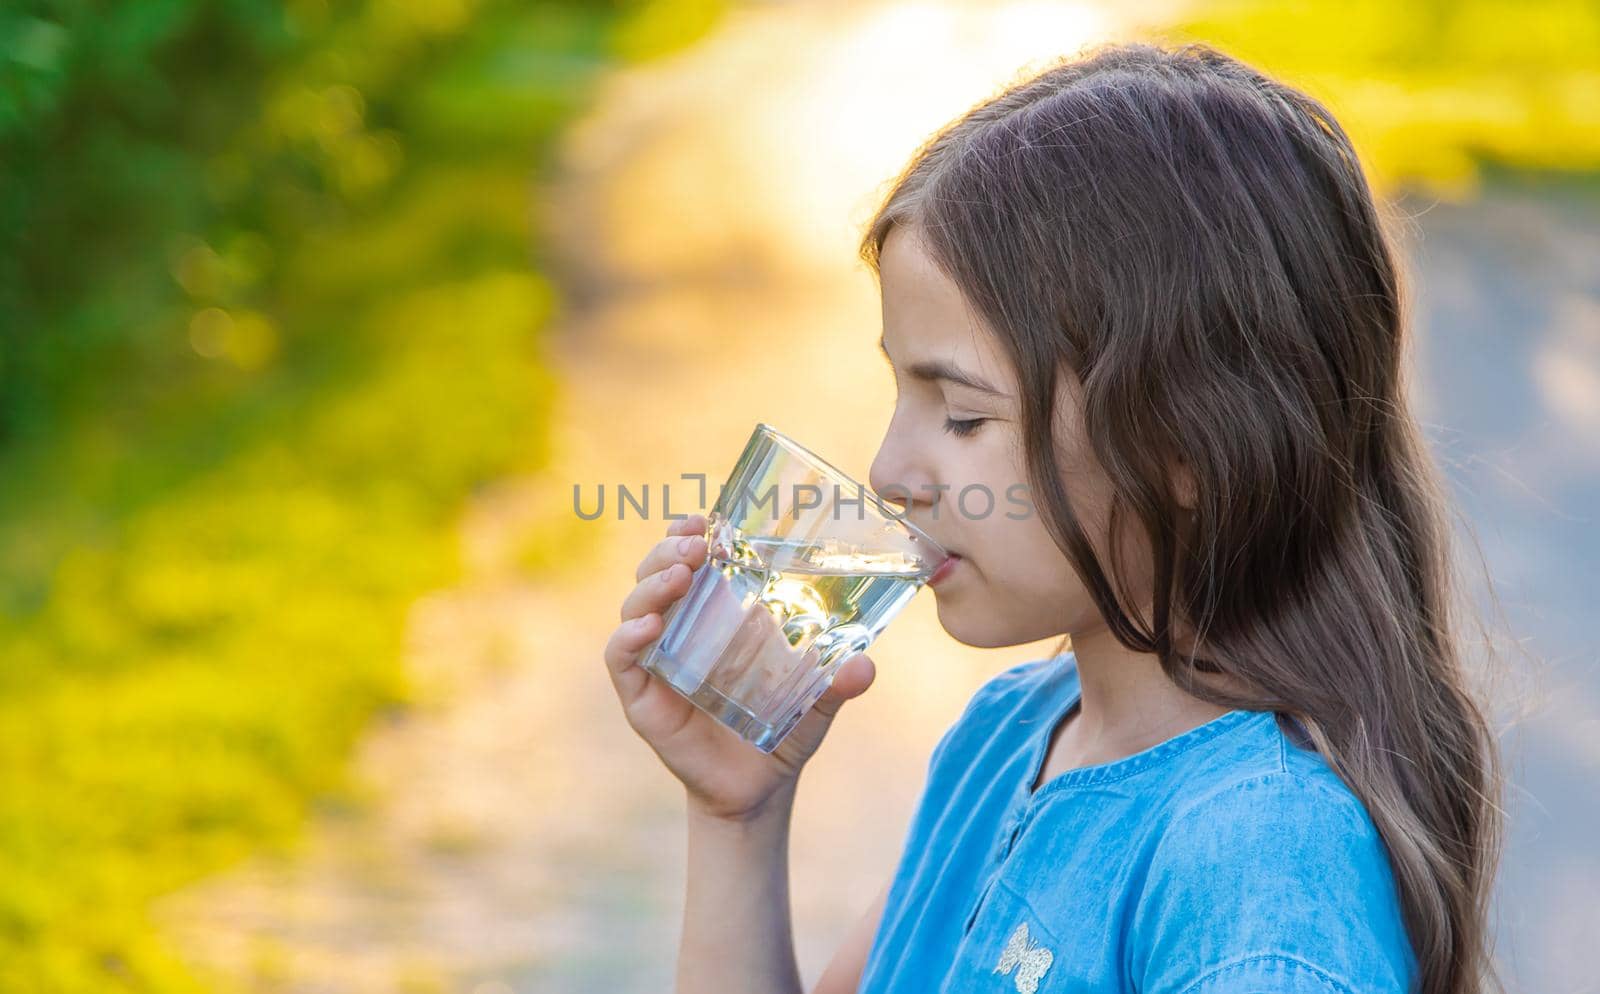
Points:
x=983 y=628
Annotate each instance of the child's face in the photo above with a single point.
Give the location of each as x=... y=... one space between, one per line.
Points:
x=1011 y=585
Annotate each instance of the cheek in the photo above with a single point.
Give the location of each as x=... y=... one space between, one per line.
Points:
x=1021 y=566
x=1020 y=554
x=1022 y=589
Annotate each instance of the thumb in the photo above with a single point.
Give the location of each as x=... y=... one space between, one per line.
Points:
x=853 y=676
x=852 y=679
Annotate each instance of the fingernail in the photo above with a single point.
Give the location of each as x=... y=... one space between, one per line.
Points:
x=639 y=624
x=666 y=574
x=684 y=544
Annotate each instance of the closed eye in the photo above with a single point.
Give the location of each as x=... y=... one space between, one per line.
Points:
x=962 y=427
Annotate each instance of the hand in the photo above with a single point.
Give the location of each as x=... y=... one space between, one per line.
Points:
x=725 y=776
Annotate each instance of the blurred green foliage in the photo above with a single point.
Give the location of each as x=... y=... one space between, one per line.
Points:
x=270 y=309
x=1433 y=91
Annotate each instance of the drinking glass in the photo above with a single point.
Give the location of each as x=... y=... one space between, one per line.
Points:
x=804 y=568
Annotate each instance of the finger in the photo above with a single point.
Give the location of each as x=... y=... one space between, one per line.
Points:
x=622 y=652
x=694 y=524
x=689 y=549
x=850 y=680
x=657 y=591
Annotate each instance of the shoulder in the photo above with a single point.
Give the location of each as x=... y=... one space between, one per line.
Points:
x=1262 y=799
x=1270 y=867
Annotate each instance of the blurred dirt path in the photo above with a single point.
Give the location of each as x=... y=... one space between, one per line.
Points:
x=518 y=836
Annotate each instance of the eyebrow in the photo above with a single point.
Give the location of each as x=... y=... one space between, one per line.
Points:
x=938 y=369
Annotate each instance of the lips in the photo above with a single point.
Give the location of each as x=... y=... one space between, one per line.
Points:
x=944 y=569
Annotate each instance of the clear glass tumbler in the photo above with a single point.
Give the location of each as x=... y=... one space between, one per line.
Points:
x=804 y=568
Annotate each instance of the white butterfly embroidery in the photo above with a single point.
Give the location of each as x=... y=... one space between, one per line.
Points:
x=1028 y=960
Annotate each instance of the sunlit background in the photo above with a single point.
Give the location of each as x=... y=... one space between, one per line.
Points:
x=313 y=313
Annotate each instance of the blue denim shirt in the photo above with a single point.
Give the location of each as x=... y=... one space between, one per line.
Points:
x=1228 y=858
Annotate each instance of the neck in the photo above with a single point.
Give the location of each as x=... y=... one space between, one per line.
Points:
x=1127 y=703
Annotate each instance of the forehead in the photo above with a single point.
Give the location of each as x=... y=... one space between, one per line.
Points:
x=924 y=312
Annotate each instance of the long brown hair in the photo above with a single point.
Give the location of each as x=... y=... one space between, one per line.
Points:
x=1198 y=244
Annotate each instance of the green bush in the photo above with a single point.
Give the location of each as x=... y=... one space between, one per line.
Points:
x=268 y=317
x=1432 y=92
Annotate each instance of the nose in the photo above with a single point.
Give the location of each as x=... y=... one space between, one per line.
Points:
x=899 y=475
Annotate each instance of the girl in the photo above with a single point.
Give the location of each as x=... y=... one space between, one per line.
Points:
x=1153 y=286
